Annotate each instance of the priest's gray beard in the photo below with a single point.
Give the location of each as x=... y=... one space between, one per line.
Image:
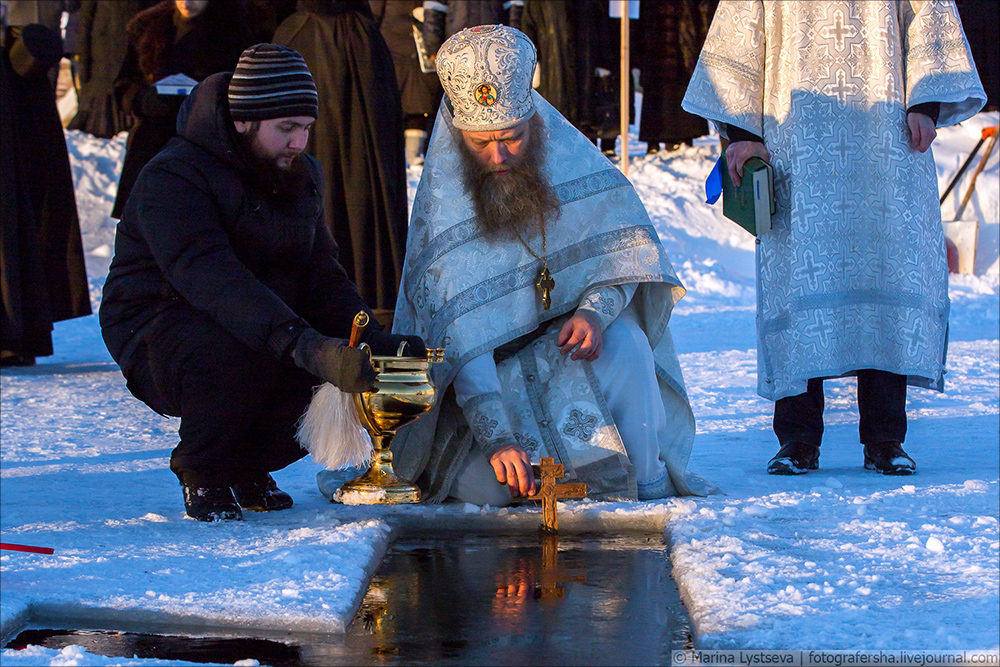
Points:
x=515 y=203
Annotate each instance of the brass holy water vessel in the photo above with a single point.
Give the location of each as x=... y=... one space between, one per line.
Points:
x=403 y=391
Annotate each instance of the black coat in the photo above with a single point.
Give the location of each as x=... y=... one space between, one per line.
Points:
x=197 y=233
x=42 y=274
x=550 y=26
x=358 y=138
x=160 y=43
x=462 y=14
x=100 y=54
x=421 y=93
x=669 y=42
x=979 y=21
x=574 y=39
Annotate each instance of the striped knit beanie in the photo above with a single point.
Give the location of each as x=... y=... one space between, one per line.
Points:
x=272 y=81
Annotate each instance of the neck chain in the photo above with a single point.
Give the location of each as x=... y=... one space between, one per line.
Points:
x=544 y=283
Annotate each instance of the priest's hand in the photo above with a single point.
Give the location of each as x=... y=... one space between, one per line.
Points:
x=513 y=468
x=922 y=131
x=584 y=331
x=737 y=154
x=347 y=368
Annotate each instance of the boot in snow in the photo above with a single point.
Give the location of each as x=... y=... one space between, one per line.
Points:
x=211 y=503
x=889 y=458
x=260 y=493
x=794 y=458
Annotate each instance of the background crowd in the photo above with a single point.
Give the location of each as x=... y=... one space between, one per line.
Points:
x=378 y=100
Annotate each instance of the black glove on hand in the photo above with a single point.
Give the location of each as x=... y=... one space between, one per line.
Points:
x=347 y=368
x=386 y=345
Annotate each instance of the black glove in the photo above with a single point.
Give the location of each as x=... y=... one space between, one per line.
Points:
x=347 y=368
x=386 y=345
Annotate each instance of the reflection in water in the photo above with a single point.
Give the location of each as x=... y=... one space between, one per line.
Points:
x=581 y=600
x=499 y=600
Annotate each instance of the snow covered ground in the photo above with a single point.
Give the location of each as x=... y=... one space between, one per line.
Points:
x=840 y=558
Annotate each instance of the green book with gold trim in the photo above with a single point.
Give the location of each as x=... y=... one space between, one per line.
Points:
x=750 y=205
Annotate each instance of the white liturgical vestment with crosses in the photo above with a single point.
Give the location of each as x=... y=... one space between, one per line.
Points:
x=853 y=274
x=503 y=379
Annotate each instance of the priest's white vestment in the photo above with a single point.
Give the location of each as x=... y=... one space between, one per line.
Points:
x=853 y=274
x=478 y=298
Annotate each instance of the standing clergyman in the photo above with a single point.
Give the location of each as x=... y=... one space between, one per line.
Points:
x=842 y=97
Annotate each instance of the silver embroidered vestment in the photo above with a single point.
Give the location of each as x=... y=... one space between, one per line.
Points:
x=853 y=274
x=474 y=297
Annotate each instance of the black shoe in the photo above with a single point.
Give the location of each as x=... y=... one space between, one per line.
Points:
x=794 y=458
x=261 y=494
x=889 y=458
x=211 y=503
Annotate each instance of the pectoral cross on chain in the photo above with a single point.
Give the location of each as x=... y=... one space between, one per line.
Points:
x=550 y=492
x=545 y=284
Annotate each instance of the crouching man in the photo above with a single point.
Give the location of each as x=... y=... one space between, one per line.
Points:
x=225 y=303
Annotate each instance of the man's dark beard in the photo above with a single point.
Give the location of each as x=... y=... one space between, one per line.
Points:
x=266 y=175
x=515 y=203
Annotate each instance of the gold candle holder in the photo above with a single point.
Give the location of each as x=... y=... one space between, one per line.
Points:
x=403 y=391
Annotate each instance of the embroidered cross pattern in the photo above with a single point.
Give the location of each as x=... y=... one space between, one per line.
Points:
x=607 y=305
x=550 y=492
x=484 y=427
x=580 y=425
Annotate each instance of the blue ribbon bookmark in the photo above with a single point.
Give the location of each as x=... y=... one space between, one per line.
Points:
x=713 y=185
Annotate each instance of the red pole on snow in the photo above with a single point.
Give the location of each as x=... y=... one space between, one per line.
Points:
x=25 y=548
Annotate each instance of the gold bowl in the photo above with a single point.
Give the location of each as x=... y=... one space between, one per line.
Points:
x=403 y=391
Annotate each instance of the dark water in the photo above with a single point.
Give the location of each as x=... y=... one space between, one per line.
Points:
x=468 y=600
x=164 y=647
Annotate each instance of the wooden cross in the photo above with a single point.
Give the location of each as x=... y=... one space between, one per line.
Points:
x=545 y=284
x=550 y=492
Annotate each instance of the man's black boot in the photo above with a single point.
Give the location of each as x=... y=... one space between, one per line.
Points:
x=889 y=458
x=794 y=458
x=211 y=503
x=260 y=493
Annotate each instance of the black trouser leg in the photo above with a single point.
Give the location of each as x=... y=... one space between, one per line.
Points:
x=238 y=407
x=882 y=404
x=271 y=444
x=800 y=418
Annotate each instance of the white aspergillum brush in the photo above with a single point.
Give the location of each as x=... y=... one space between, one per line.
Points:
x=330 y=429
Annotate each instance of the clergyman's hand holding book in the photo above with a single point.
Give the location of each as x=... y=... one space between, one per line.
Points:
x=750 y=205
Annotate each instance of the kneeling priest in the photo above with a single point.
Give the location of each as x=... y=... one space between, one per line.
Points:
x=533 y=261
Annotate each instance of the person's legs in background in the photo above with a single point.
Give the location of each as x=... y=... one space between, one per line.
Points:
x=882 y=428
x=798 y=425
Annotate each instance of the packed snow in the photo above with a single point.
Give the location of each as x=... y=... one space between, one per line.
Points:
x=841 y=558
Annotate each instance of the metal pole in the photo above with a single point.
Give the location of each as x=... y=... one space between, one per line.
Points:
x=624 y=83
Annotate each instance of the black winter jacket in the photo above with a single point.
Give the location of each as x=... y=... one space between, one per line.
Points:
x=196 y=233
x=457 y=15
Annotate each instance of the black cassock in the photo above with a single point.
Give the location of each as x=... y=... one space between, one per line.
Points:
x=100 y=54
x=670 y=37
x=42 y=274
x=574 y=40
x=358 y=138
